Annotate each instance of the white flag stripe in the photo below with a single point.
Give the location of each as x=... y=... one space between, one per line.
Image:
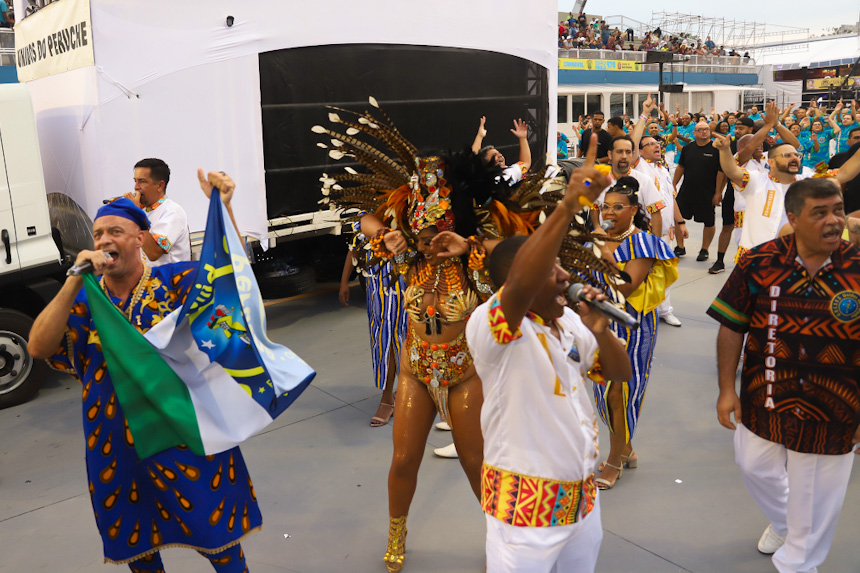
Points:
x=226 y=414
x=285 y=368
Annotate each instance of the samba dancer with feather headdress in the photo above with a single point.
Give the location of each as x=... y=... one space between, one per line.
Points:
x=414 y=213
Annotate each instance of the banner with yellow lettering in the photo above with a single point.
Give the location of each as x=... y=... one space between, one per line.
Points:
x=599 y=65
x=824 y=83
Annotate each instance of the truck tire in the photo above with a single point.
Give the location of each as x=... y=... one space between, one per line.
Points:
x=20 y=375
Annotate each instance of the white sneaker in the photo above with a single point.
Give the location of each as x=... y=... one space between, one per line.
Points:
x=670 y=319
x=448 y=451
x=443 y=426
x=770 y=541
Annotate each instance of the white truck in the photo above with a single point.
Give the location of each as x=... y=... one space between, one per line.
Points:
x=31 y=257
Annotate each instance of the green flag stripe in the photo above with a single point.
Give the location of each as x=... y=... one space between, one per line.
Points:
x=155 y=401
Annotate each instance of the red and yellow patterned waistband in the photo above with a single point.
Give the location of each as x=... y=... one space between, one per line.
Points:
x=739 y=254
x=526 y=501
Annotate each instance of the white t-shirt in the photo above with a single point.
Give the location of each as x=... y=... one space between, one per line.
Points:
x=537 y=418
x=650 y=199
x=764 y=213
x=753 y=166
x=662 y=180
x=169 y=227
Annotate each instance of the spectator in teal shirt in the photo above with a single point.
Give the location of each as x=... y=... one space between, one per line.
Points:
x=685 y=130
x=802 y=137
x=6 y=18
x=848 y=122
x=561 y=146
x=754 y=114
x=820 y=143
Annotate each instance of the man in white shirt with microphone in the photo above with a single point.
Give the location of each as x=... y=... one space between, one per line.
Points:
x=533 y=355
x=168 y=239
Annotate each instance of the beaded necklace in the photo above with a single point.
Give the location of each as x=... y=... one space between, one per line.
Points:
x=136 y=294
x=630 y=230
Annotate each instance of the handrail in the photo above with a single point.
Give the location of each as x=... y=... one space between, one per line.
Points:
x=637 y=56
x=680 y=63
x=7 y=47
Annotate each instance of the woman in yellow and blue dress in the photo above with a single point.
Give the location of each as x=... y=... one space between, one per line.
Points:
x=651 y=266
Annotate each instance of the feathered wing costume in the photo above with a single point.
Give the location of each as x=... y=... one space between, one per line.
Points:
x=402 y=192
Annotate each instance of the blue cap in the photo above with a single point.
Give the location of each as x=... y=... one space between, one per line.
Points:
x=124 y=208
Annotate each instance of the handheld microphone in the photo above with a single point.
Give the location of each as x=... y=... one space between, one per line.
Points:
x=84 y=267
x=604 y=307
x=606 y=225
x=112 y=199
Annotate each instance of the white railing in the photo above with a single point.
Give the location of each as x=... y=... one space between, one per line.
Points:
x=7 y=47
x=680 y=63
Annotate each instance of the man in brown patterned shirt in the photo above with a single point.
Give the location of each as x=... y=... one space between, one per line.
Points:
x=798 y=298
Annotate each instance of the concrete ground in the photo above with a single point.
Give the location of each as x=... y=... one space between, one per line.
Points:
x=320 y=470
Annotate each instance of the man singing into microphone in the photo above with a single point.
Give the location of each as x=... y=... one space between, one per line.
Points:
x=533 y=354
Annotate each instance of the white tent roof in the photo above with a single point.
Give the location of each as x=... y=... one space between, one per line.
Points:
x=815 y=50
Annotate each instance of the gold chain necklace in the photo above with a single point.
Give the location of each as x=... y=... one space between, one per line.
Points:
x=136 y=294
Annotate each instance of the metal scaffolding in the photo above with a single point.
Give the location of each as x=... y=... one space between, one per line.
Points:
x=731 y=33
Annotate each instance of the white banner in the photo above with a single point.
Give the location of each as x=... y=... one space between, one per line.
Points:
x=56 y=39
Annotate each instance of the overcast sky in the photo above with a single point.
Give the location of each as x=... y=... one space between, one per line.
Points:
x=795 y=13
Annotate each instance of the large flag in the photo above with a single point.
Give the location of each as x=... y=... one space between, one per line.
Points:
x=206 y=376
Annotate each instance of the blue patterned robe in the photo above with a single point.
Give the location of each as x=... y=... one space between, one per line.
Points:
x=174 y=498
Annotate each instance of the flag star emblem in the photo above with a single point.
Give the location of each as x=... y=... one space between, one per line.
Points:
x=207 y=344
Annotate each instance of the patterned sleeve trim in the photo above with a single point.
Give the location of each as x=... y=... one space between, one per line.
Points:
x=162 y=241
x=499 y=327
x=595 y=373
x=654 y=207
x=740 y=187
x=728 y=316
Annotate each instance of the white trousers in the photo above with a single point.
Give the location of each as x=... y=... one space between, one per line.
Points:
x=800 y=494
x=563 y=549
x=665 y=307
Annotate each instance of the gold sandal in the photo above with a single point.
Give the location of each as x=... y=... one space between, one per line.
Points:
x=603 y=483
x=395 y=553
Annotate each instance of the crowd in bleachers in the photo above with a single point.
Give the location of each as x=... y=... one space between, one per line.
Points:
x=580 y=32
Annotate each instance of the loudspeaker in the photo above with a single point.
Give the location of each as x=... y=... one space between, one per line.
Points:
x=657 y=57
x=672 y=88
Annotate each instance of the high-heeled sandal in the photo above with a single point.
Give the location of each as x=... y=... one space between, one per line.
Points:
x=378 y=421
x=395 y=552
x=630 y=461
x=603 y=483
